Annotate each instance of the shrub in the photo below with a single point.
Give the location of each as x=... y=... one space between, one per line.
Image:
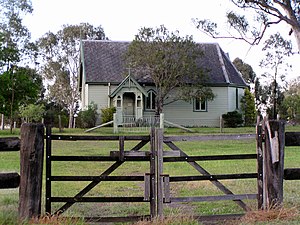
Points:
x=107 y=114
x=233 y=119
x=87 y=118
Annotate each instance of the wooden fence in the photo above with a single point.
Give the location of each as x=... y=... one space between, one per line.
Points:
x=31 y=147
x=271 y=140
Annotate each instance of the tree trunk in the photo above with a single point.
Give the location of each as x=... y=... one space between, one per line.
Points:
x=59 y=123
x=297 y=37
x=2 y=122
x=71 y=115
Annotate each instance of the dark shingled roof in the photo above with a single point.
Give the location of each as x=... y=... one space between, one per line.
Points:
x=103 y=62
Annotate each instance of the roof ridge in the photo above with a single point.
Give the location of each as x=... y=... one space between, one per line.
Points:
x=222 y=64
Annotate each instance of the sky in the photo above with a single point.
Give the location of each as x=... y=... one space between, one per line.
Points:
x=121 y=20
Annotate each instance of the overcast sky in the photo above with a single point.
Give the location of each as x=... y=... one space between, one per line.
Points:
x=121 y=20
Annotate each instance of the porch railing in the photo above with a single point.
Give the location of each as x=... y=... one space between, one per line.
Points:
x=131 y=123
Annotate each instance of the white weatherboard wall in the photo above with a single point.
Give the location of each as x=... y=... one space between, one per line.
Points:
x=182 y=112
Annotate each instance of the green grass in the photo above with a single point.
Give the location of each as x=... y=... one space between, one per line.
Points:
x=9 y=161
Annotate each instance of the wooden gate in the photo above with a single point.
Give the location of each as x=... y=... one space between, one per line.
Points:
x=118 y=158
x=165 y=180
x=156 y=183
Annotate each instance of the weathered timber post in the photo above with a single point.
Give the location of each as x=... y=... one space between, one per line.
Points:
x=152 y=175
x=273 y=164
x=159 y=169
x=31 y=168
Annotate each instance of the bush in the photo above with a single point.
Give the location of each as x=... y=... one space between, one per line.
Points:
x=107 y=114
x=87 y=118
x=233 y=119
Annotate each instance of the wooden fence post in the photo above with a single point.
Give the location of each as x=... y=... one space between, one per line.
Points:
x=31 y=170
x=273 y=164
x=159 y=170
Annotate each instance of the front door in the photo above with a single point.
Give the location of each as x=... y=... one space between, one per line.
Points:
x=129 y=104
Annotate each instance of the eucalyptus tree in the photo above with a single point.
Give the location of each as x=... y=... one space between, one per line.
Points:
x=245 y=69
x=60 y=62
x=170 y=61
x=277 y=50
x=267 y=13
x=15 y=47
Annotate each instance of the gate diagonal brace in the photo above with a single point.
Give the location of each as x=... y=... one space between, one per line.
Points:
x=200 y=169
x=90 y=186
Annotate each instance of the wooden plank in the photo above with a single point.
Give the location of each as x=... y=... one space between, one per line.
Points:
x=97 y=178
x=166 y=180
x=214 y=198
x=153 y=208
x=96 y=138
x=210 y=137
x=213 y=177
x=292 y=174
x=48 y=170
x=31 y=170
x=201 y=170
x=116 y=154
x=209 y=157
x=292 y=138
x=114 y=219
x=121 y=148
x=9 y=180
x=159 y=170
x=97 y=199
x=147 y=181
x=98 y=158
x=9 y=144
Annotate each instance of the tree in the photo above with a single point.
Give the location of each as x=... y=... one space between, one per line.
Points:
x=245 y=69
x=60 y=56
x=14 y=41
x=14 y=37
x=248 y=108
x=170 y=60
x=32 y=112
x=18 y=86
x=268 y=13
x=291 y=102
x=278 y=49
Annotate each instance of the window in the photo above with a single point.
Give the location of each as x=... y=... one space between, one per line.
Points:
x=150 y=100
x=200 y=105
x=119 y=102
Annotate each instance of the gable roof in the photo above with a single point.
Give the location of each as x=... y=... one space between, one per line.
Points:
x=128 y=82
x=103 y=62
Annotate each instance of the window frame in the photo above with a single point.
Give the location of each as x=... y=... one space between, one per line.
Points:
x=152 y=100
x=200 y=105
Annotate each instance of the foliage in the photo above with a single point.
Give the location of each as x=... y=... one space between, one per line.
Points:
x=245 y=69
x=20 y=86
x=52 y=114
x=60 y=56
x=291 y=102
x=14 y=37
x=248 y=108
x=277 y=50
x=33 y=112
x=267 y=13
x=107 y=114
x=87 y=118
x=233 y=119
x=170 y=60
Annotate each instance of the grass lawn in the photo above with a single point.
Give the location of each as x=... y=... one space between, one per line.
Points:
x=9 y=161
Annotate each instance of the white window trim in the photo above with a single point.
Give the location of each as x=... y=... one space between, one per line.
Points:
x=199 y=110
